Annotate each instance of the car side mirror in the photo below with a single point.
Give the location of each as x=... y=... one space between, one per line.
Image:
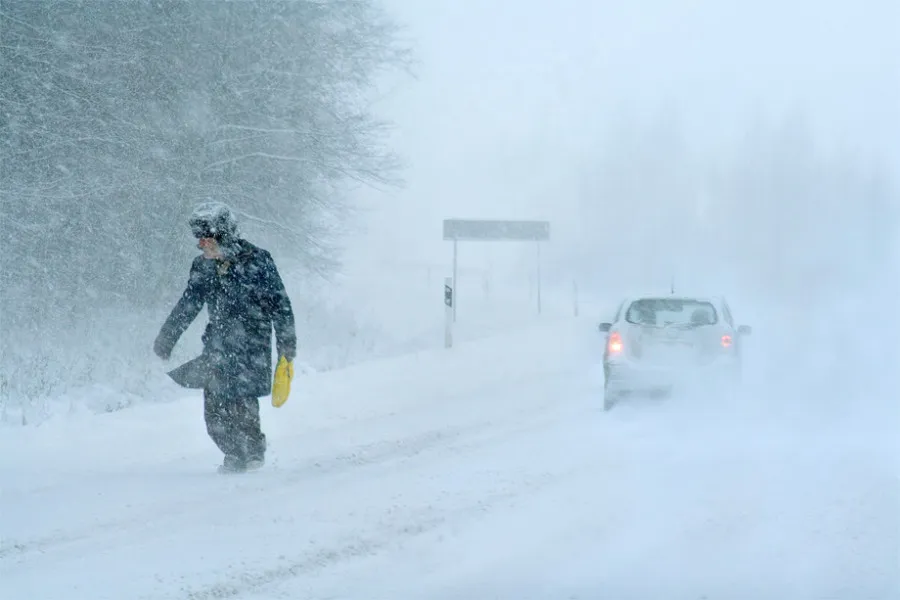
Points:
x=745 y=330
x=604 y=327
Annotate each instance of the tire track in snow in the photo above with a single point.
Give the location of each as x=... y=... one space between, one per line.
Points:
x=361 y=455
x=430 y=514
x=358 y=547
x=383 y=453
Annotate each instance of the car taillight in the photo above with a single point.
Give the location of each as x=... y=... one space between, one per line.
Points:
x=726 y=341
x=614 y=345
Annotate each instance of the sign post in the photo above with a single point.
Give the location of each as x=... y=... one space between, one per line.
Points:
x=575 y=297
x=455 y=277
x=538 y=244
x=483 y=230
x=448 y=312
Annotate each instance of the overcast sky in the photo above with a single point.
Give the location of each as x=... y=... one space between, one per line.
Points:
x=512 y=93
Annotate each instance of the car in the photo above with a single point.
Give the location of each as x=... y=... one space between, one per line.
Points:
x=656 y=343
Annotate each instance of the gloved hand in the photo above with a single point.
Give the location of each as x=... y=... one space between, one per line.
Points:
x=281 y=386
x=162 y=349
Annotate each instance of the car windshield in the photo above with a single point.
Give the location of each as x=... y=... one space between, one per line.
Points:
x=662 y=312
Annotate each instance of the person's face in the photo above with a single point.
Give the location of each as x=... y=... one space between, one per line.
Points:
x=210 y=247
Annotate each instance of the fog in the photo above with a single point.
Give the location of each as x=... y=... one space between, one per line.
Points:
x=520 y=106
x=748 y=149
x=740 y=148
x=743 y=148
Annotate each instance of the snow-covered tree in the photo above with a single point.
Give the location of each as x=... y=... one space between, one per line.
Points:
x=116 y=118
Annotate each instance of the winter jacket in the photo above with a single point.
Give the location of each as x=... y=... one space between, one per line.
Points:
x=245 y=299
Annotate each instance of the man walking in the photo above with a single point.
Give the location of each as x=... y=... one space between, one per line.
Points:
x=245 y=299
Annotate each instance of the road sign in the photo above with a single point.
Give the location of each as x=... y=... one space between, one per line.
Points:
x=495 y=230
x=492 y=230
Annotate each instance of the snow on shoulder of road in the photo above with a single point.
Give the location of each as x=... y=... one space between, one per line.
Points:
x=152 y=434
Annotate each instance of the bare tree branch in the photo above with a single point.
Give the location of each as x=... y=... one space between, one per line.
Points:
x=113 y=122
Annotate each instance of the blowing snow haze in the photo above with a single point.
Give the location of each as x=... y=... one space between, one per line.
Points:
x=749 y=149
x=524 y=108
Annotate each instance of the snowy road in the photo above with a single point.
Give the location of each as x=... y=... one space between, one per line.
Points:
x=491 y=473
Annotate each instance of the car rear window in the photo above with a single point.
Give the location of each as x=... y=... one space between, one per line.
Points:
x=661 y=312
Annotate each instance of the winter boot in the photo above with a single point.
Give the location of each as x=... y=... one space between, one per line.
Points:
x=254 y=463
x=232 y=464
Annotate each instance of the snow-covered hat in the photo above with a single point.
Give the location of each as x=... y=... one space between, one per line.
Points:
x=213 y=219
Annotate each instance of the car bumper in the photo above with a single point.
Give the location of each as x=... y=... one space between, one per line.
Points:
x=624 y=375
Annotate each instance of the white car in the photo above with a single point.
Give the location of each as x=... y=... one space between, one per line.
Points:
x=656 y=342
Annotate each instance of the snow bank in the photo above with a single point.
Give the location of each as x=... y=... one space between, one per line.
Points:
x=106 y=364
x=319 y=400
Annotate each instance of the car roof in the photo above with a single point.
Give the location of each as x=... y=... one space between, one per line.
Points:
x=698 y=297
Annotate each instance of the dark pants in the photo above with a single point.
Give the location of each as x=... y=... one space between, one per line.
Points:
x=233 y=424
